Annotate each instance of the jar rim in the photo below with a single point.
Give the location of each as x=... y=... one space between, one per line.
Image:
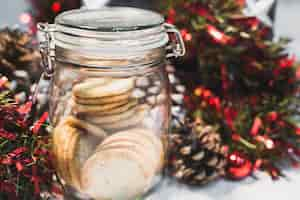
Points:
x=110 y=19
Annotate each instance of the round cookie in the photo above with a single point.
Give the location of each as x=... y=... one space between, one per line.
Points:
x=156 y=141
x=62 y=136
x=87 y=127
x=143 y=137
x=71 y=148
x=126 y=123
x=113 y=174
x=89 y=83
x=80 y=149
x=113 y=87
x=147 y=154
x=94 y=109
x=104 y=100
x=116 y=110
x=108 y=119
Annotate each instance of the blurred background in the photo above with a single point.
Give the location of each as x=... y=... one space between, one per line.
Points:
x=285 y=24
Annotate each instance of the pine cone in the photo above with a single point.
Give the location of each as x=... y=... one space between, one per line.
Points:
x=196 y=154
x=17 y=53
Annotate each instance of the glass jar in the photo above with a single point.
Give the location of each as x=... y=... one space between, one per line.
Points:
x=109 y=103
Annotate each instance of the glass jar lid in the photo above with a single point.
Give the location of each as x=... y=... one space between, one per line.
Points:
x=110 y=19
x=117 y=30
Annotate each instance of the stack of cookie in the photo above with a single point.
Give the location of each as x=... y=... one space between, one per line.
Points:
x=74 y=141
x=108 y=103
x=123 y=165
x=120 y=166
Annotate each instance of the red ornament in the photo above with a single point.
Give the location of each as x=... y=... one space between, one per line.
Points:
x=272 y=116
x=186 y=35
x=215 y=102
x=239 y=166
x=297 y=131
x=171 y=16
x=206 y=94
x=203 y=12
x=236 y=137
x=56 y=7
x=241 y=3
x=287 y=62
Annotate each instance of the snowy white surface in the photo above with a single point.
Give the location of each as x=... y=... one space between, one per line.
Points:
x=93 y=4
x=250 y=189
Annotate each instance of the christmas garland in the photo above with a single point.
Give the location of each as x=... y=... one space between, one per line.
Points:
x=245 y=85
x=25 y=160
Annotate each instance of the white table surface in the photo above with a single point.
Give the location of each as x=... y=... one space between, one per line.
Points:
x=249 y=189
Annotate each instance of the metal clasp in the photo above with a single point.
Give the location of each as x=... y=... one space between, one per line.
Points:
x=47 y=46
x=47 y=50
x=175 y=48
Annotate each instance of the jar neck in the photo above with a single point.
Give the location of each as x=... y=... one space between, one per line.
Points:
x=125 y=61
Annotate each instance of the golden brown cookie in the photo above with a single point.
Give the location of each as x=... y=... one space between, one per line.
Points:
x=87 y=127
x=108 y=119
x=130 y=122
x=103 y=100
x=114 y=174
x=98 y=109
x=105 y=88
x=72 y=146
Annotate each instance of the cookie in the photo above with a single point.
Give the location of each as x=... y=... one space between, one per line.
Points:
x=81 y=147
x=87 y=127
x=113 y=87
x=150 y=135
x=146 y=152
x=87 y=84
x=108 y=119
x=114 y=174
x=72 y=147
x=130 y=122
x=104 y=100
x=95 y=109
x=61 y=138
x=144 y=137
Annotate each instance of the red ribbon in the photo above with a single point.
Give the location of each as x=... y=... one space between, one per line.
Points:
x=7 y=135
x=257 y=124
x=17 y=152
x=25 y=108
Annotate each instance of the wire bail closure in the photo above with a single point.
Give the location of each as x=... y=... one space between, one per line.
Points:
x=47 y=46
x=175 y=48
